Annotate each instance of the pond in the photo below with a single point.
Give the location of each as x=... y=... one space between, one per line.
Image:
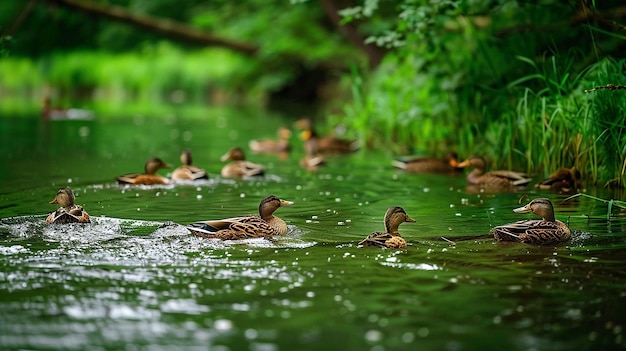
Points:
x=136 y=279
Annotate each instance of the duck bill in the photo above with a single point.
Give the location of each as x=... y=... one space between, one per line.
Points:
x=284 y=203
x=463 y=164
x=523 y=209
x=54 y=201
x=409 y=219
x=306 y=135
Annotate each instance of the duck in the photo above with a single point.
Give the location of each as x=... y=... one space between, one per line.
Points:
x=563 y=180
x=390 y=238
x=282 y=147
x=429 y=164
x=56 y=113
x=187 y=171
x=239 y=167
x=149 y=177
x=265 y=225
x=494 y=179
x=328 y=144
x=69 y=212
x=312 y=159
x=544 y=231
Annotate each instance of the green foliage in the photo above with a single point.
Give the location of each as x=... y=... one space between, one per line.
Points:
x=501 y=79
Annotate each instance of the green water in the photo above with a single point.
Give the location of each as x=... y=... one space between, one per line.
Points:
x=135 y=279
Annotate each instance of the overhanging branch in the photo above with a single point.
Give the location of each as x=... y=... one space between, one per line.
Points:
x=174 y=30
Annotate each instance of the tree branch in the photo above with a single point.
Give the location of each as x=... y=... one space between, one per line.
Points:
x=167 y=28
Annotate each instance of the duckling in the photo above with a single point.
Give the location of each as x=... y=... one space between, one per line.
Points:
x=391 y=237
x=282 y=147
x=69 y=212
x=239 y=167
x=187 y=171
x=429 y=164
x=563 y=180
x=544 y=231
x=149 y=177
x=265 y=225
x=328 y=144
x=495 y=179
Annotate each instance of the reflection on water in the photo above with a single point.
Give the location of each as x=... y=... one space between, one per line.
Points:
x=135 y=278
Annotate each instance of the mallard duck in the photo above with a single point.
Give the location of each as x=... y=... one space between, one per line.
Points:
x=149 y=177
x=328 y=144
x=239 y=167
x=429 y=164
x=565 y=180
x=187 y=171
x=545 y=231
x=264 y=225
x=390 y=238
x=69 y=212
x=496 y=179
x=270 y=146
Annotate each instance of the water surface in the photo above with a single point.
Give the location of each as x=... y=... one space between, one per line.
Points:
x=136 y=279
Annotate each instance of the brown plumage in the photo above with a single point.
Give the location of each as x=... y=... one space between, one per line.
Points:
x=429 y=164
x=69 y=212
x=328 y=144
x=544 y=231
x=270 y=146
x=495 y=179
x=239 y=167
x=188 y=171
x=391 y=237
x=149 y=177
x=564 y=180
x=265 y=225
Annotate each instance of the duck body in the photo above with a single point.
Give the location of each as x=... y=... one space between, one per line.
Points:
x=545 y=231
x=265 y=225
x=563 y=180
x=429 y=164
x=282 y=147
x=495 y=179
x=239 y=167
x=149 y=177
x=188 y=172
x=328 y=144
x=391 y=237
x=69 y=212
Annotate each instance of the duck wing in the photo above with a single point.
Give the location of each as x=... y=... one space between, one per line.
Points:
x=189 y=173
x=233 y=228
x=376 y=239
x=533 y=232
x=513 y=178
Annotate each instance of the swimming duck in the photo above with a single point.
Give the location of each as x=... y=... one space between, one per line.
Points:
x=56 y=113
x=239 y=167
x=69 y=212
x=328 y=144
x=187 y=171
x=312 y=159
x=544 y=231
x=149 y=177
x=270 y=146
x=496 y=179
x=429 y=164
x=265 y=225
x=564 y=180
x=390 y=238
